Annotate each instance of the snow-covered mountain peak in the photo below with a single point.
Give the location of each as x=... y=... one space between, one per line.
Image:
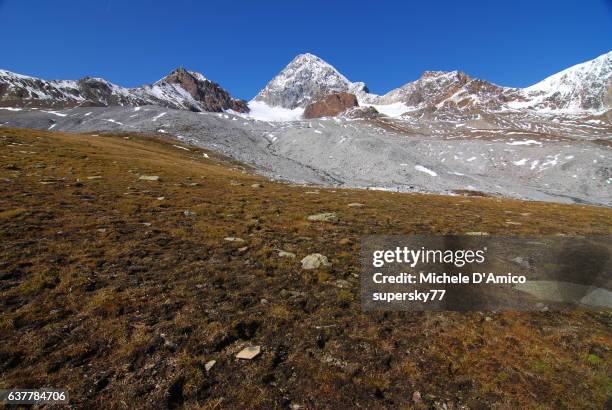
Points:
x=582 y=87
x=305 y=79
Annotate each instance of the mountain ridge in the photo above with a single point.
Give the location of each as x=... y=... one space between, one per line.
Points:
x=584 y=87
x=180 y=89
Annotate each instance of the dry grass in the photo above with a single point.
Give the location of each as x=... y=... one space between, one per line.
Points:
x=122 y=297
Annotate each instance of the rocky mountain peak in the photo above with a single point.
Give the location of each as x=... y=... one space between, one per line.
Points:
x=305 y=79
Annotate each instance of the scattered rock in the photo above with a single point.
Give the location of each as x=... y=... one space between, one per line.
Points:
x=314 y=261
x=12 y=167
x=284 y=293
x=235 y=183
x=513 y=223
x=362 y=112
x=257 y=186
x=264 y=301
x=95 y=177
x=243 y=249
x=249 y=353
x=324 y=217
x=343 y=284
x=284 y=254
x=189 y=213
x=209 y=365
x=149 y=177
x=356 y=205
x=160 y=198
x=345 y=242
x=416 y=397
x=233 y=239
x=312 y=192
x=521 y=261
x=477 y=233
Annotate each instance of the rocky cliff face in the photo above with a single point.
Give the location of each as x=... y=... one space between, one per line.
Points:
x=181 y=89
x=306 y=79
x=331 y=105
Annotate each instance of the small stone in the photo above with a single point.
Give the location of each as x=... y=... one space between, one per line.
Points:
x=160 y=198
x=264 y=301
x=149 y=178
x=235 y=183
x=477 y=233
x=188 y=213
x=488 y=319
x=314 y=261
x=95 y=177
x=513 y=223
x=284 y=254
x=194 y=184
x=343 y=284
x=257 y=186
x=102 y=230
x=345 y=242
x=249 y=353
x=324 y=217
x=312 y=192
x=243 y=249
x=416 y=397
x=209 y=365
x=356 y=205
x=233 y=239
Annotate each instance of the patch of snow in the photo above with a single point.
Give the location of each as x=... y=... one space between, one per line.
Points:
x=157 y=117
x=520 y=162
x=425 y=170
x=525 y=142
x=261 y=111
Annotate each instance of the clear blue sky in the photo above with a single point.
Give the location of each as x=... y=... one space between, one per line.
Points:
x=243 y=44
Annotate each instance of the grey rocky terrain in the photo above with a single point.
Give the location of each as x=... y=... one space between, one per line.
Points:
x=537 y=157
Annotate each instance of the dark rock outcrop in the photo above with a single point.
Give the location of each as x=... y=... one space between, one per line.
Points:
x=331 y=105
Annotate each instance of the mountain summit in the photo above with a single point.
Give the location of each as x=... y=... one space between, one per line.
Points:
x=305 y=79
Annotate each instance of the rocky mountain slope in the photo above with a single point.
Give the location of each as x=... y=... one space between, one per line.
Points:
x=181 y=89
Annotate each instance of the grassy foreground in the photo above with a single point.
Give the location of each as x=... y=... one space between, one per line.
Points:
x=121 y=290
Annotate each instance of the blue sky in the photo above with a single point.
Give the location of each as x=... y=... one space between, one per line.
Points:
x=243 y=44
